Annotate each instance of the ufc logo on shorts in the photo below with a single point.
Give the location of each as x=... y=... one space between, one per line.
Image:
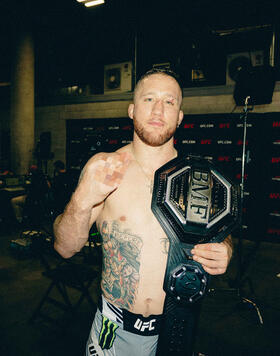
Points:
x=142 y=326
x=92 y=351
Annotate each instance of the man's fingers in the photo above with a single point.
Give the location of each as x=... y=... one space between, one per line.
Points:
x=209 y=252
x=210 y=247
x=212 y=256
x=214 y=262
x=214 y=271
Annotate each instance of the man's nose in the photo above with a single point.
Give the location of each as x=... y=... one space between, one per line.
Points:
x=158 y=107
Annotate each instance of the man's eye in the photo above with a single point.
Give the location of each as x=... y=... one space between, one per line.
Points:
x=169 y=102
x=148 y=99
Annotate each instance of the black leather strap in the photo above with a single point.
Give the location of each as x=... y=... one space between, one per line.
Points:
x=194 y=203
x=178 y=328
x=185 y=283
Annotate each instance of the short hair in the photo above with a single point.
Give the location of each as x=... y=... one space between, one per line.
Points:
x=164 y=71
x=59 y=165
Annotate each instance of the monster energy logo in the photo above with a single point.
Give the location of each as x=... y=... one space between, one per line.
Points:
x=107 y=333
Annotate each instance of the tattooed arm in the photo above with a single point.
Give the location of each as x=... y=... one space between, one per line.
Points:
x=100 y=177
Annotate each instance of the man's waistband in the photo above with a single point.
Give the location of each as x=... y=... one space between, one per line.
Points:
x=134 y=323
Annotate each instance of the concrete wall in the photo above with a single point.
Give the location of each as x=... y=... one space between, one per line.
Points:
x=53 y=119
x=196 y=101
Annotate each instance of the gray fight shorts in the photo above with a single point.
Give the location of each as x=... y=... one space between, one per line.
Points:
x=117 y=332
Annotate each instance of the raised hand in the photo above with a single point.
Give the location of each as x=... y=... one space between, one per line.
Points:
x=101 y=176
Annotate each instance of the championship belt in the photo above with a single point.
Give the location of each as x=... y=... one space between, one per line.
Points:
x=194 y=203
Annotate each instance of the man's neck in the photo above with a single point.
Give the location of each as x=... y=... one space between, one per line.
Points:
x=151 y=158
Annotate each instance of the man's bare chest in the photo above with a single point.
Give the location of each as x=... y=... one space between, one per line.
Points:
x=131 y=202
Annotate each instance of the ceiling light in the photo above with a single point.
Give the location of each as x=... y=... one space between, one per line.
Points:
x=89 y=3
x=94 y=3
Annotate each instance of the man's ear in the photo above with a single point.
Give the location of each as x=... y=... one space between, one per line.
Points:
x=131 y=110
x=181 y=116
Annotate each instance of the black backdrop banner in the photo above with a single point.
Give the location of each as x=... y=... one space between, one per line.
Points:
x=219 y=138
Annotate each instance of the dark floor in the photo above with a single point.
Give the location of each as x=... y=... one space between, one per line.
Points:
x=226 y=326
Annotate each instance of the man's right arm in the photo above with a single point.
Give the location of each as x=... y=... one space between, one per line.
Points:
x=101 y=176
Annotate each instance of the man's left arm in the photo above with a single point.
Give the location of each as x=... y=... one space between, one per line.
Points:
x=214 y=257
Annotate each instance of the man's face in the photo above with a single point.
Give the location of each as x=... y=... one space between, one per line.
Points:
x=156 y=109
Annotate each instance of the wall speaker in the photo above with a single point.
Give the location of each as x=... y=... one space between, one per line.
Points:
x=243 y=60
x=256 y=82
x=117 y=78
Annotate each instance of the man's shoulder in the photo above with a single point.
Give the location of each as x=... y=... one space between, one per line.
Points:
x=126 y=148
x=102 y=155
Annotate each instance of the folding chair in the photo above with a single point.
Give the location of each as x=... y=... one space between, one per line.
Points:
x=64 y=276
x=93 y=248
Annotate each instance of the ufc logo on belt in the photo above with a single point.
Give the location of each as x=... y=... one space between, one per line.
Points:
x=142 y=326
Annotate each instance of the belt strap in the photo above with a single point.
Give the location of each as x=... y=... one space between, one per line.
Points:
x=178 y=328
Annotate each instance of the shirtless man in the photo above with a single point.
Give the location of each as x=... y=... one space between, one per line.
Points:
x=115 y=192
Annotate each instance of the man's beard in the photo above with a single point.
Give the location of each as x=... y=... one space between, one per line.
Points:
x=153 y=139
